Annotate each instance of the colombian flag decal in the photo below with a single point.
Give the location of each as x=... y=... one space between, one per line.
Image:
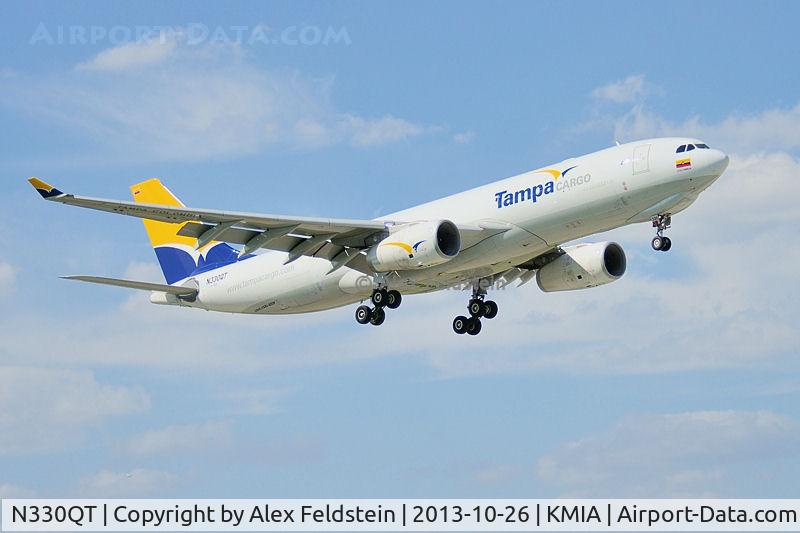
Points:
x=681 y=164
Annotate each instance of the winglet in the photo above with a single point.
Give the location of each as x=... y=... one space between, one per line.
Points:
x=45 y=189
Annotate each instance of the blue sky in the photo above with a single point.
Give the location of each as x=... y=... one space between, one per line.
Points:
x=680 y=379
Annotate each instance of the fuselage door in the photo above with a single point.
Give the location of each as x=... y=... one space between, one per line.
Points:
x=641 y=159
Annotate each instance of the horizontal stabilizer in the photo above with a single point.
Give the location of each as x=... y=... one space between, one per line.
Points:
x=141 y=285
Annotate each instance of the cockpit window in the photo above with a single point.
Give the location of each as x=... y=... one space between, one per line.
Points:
x=703 y=146
x=680 y=149
x=689 y=148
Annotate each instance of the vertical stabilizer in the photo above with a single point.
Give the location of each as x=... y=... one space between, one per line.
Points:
x=178 y=255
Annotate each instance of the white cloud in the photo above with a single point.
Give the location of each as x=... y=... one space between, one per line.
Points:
x=12 y=491
x=693 y=454
x=141 y=271
x=622 y=91
x=46 y=409
x=181 y=440
x=205 y=102
x=288 y=450
x=496 y=474
x=255 y=401
x=370 y=132
x=8 y=275
x=132 y=55
x=772 y=130
x=763 y=189
x=137 y=483
x=464 y=137
x=186 y=339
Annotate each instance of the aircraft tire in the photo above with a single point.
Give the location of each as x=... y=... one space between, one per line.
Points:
x=460 y=324
x=378 y=316
x=363 y=314
x=657 y=243
x=475 y=308
x=379 y=297
x=474 y=326
x=489 y=309
x=393 y=299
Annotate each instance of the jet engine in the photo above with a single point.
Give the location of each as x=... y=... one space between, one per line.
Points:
x=583 y=266
x=416 y=245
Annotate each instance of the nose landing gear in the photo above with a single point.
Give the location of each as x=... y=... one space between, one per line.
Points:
x=381 y=297
x=660 y=242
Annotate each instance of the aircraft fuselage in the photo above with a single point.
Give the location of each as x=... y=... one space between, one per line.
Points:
x=537 y=210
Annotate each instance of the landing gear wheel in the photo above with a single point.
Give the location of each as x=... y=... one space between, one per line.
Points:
x=378 y=316
x=393 y=299
x=657 y=243
x=474 y=326
x=489 y=309
x=460 y=324
x=475 y=308
x=661 y=222
x=363 y=314
x=379 y=297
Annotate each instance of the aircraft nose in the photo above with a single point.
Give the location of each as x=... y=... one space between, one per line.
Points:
x=719 y=161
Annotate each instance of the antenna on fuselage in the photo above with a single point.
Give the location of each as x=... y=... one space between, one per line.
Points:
x=616 y=141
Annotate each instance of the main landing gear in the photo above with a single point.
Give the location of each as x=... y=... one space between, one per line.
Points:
x=659 y=242
x=478 y=308
x=381 y=297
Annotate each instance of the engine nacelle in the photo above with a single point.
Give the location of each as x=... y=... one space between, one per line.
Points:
x=416 y=245
x=583 y=266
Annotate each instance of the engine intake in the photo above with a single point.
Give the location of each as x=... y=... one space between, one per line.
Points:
x=583 y=266
x=416 y=245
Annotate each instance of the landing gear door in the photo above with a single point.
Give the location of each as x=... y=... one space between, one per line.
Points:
x=641 y=159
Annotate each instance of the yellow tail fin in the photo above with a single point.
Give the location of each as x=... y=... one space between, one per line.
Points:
x=177 y=254
x=154 y=192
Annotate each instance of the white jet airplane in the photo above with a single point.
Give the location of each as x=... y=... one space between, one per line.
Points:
x=507 y=230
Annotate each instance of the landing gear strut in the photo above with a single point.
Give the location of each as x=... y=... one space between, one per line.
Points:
x=659 y=242
x=478 y=308
x=381 y=297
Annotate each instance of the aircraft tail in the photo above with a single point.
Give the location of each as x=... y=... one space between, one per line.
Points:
x=178 y=255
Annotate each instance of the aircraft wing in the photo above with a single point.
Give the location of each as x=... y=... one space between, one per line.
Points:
x=321 y=237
